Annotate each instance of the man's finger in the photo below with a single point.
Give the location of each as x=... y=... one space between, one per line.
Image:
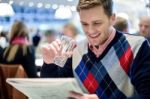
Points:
x=75 y=95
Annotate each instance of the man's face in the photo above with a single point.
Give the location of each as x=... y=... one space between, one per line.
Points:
x=144 y=27
x=67 y=31
x=50 y=38
x=96 y=24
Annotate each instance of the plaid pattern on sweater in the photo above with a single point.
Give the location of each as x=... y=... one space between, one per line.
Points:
x=95 y=74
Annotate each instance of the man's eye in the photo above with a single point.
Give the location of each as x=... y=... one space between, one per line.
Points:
x=84 y=24
x=147 y=26
x=97 y=23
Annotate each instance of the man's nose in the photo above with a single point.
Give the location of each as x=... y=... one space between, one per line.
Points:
x=142 y=28
x=91 y=29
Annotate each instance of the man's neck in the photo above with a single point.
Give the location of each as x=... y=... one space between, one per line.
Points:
x=98 y=50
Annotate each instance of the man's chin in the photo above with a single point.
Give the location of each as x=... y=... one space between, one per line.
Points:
x=95 y=45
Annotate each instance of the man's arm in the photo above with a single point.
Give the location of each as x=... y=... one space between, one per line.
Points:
x=54 y=71
x=140 y=72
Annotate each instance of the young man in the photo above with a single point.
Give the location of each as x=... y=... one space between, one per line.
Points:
x=109 y=64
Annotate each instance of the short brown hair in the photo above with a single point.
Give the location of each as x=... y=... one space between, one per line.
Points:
x=121 y=24
x=87 y=4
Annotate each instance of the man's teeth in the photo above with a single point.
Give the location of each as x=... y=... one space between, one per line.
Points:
x=94 y=35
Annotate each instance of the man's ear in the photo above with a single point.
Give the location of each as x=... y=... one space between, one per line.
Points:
x=113 y=19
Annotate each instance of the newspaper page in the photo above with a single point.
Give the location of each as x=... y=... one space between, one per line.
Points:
x=45 y=88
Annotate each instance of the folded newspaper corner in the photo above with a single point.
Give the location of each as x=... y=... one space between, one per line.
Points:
x=45 y=88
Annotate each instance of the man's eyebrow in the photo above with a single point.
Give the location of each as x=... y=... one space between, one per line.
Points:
x=83 y=22
x=92 y=21
x=97 y=21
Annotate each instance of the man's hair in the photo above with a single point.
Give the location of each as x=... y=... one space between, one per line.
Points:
x=72 y=28
x=121 y=24
x=50 y=32
x=87 y=4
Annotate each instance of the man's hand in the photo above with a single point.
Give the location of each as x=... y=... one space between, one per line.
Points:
x=75 y=95
x=49 y=51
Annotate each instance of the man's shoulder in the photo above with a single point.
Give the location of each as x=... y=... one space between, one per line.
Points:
x=82 y=46
x=82 y=43
x=134 y=37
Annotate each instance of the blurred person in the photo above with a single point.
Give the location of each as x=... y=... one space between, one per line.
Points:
x=121 y=24
x=19 y=51
x=49 y=36
x=144 y=27
x=3 y=40
x=36 y=39
x=109 y=64
x=1 y=52
x=72 y=31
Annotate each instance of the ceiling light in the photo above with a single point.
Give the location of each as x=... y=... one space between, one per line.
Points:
x=6 y=9
x=31 y=4
x=70 y=0
x=59 y=14
x=39 y=5
x=47 y=6
x=11 y=2
x=54 y=6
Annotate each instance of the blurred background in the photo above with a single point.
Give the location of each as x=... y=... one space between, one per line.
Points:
x=45 y=14
x=43 y=17
x=26 y=25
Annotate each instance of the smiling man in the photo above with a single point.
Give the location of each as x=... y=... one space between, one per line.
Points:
x=109 y=64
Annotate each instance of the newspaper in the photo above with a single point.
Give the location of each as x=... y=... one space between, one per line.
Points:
x=45 y=88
